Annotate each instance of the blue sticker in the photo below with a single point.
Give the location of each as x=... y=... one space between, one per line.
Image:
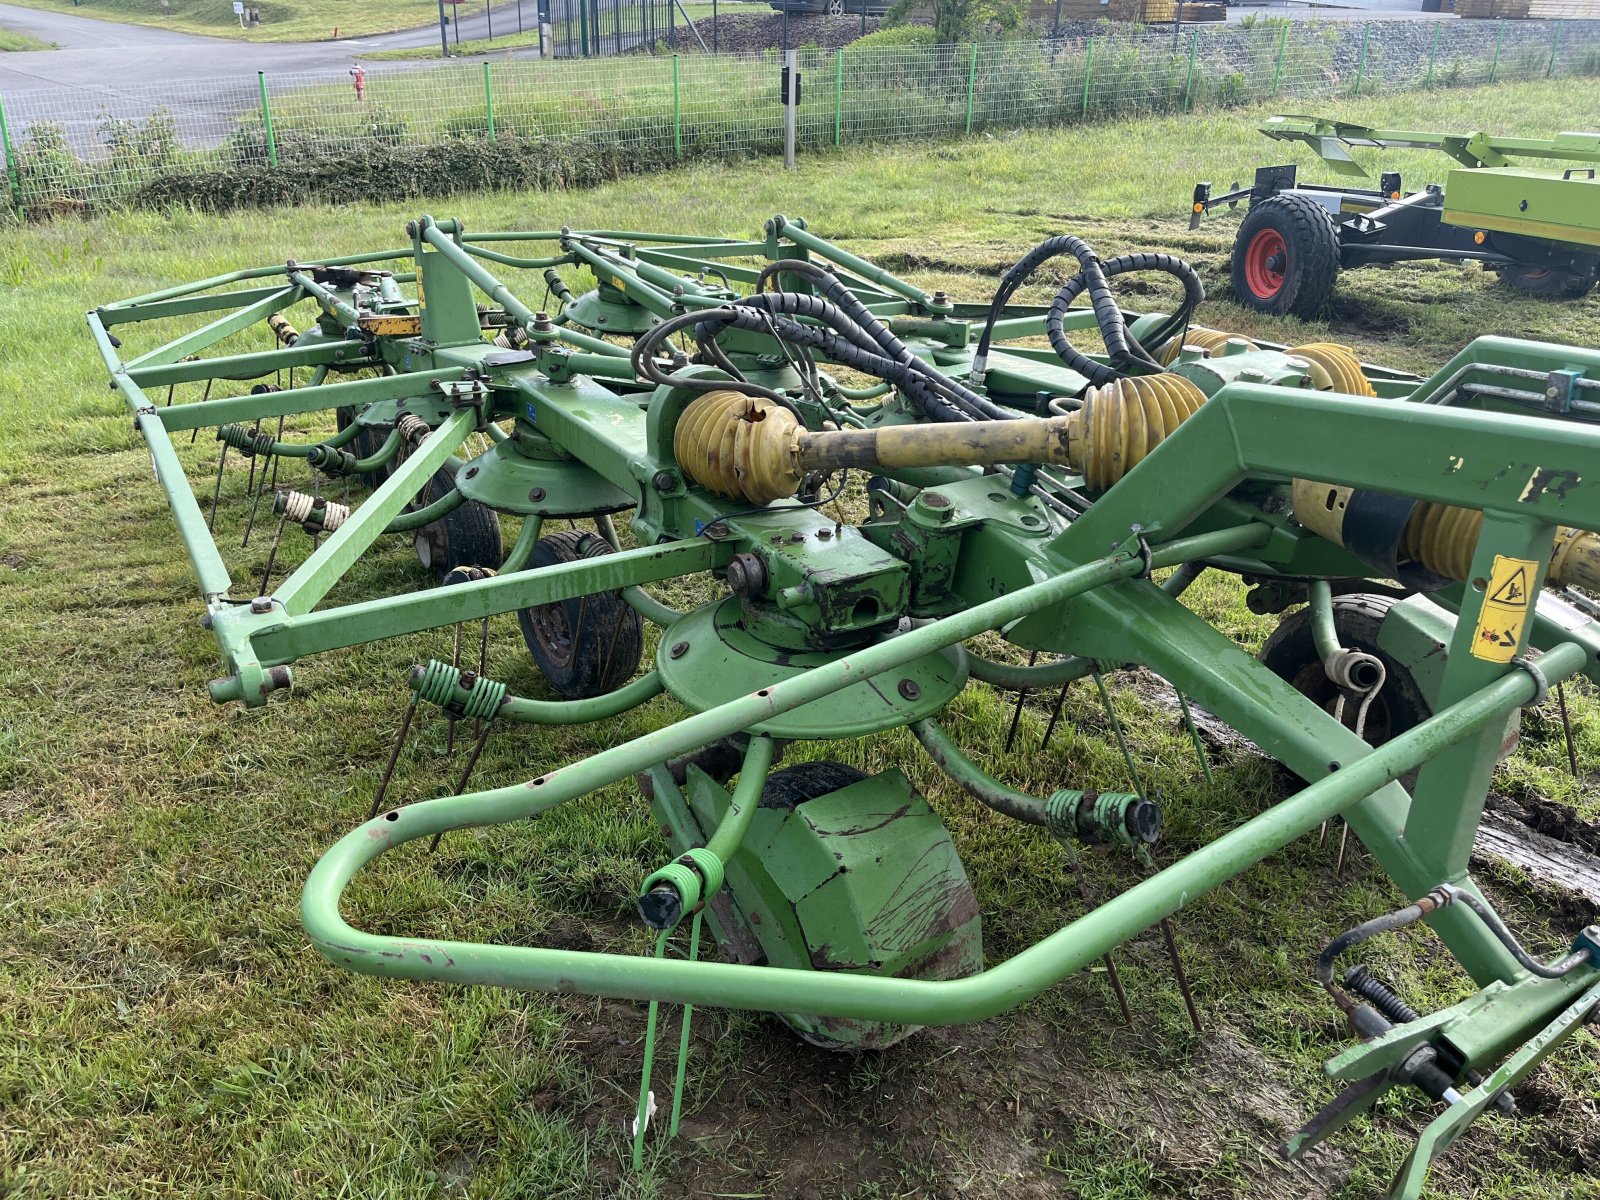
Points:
x=532 y=416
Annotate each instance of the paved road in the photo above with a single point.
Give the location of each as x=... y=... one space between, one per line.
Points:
x=105 y=56
x=109 y=69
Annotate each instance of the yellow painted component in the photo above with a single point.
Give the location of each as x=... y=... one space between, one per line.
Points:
x=1122 y=421
x=1548 y=230
x=1207 y=340
x=391 y=325
x=742 y=447
x=1576 y=561
x=748 y=448
x=1334 y=368
x=1504 y=613
x=1442 y=538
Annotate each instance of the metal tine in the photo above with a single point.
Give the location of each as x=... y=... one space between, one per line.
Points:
x=1075 y=865
x=272 y=555
x=1165 y=923
x=250 y=484
x=204 y=396
x=1194 y=736
x=394 y=756
x=481 y=735
x=450 y=721
x=255 y=503
x=1344 y=842
x=1016 y=715
x=1566 y=729
x=1055 y=716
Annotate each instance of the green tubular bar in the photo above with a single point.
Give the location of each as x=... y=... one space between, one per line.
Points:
x=1019 y=806
x=427 y=514
x=831 y=993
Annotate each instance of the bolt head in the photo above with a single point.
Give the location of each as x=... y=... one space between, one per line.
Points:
x=664 y=481
x=679 y=649
x=910 y=689
x=536 y=494
x=261 y=604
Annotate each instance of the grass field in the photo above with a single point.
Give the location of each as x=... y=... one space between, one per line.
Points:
x=19 y=41
x=168 y=1031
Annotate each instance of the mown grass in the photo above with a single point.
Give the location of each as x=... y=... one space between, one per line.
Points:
x=12 y=41
x=168 y=1031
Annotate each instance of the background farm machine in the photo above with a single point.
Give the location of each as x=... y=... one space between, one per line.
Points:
x=1539 y=227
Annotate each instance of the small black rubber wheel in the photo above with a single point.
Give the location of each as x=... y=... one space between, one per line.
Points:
x=1549 y=281
x=1291 y=653
x=366 y=443
x=1286 y=256
x=589 y=645
x=467 y=537
x=793 y=786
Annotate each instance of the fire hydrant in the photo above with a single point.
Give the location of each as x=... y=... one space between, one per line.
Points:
x=359 y=78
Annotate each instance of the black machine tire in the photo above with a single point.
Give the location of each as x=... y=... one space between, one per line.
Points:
x=587 y=646
x=366 y=443
x=1291 y=653
x=1549 y=281
x=468 y=536
x=1286 y=256
x=793 y=786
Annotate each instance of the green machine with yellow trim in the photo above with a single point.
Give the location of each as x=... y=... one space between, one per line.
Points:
x=1538 y=227
x=692 y=408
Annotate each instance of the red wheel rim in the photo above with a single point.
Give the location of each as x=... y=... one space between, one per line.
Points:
x=1264 y=260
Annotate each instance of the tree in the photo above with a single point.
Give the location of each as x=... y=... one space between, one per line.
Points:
x=956 y=21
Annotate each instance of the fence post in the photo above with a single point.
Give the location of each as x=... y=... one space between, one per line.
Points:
x=1555 y=49
x=1088 y=74
x=1433 y=52
x=1283 y=44
x=12 y=174
x=791 y=73
x=266 y=122
x=488 y=100
x=1361 y=68
x=677 y=112
x=583 y=28
x=1188 y=82
x=1500 y=38
x=972 y=83
x=838 y=97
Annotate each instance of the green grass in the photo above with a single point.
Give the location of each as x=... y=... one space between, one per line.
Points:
x=165 y=1029
x=18 y=41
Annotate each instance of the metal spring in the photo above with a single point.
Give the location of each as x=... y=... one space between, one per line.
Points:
x=298 y=507
x=440 y=683
x=412 y=427
x=247 y=441
x=1360 y=981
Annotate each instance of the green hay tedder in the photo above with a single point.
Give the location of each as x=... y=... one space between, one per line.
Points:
x=720 y=395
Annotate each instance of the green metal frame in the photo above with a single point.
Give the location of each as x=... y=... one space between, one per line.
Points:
x=989 y=555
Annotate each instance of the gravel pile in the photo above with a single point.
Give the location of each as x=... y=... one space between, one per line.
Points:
x=751 y=33
x=1396 y=50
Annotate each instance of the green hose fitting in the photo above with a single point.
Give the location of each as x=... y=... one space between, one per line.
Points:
x=679 y=887
x=1116 y=818
x=466 y=695
x=331 y=461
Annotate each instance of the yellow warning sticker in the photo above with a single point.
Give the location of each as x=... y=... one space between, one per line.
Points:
x=1505 y=609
